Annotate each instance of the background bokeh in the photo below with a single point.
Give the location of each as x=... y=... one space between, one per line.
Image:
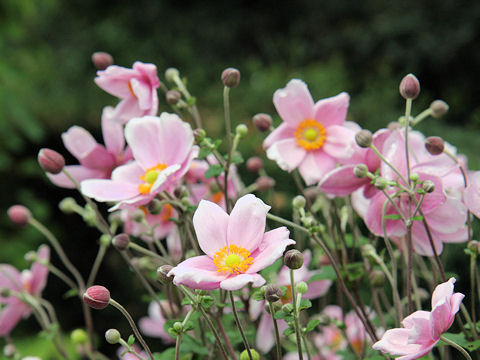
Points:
x=362 y=47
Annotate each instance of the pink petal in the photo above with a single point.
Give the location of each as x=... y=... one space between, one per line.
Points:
x=421 y=242
x=449 y=217
x=332 y=110
x=79 y=173
x=148 y=72
x=265 y=333
x=341 y=181
x=198 y=272
x=236 y=282
x=435 y=199
x=340 y=142
x=211 y=223
x=164 y=178
x=317 y=289
x=374 y=217
x=273 y=245
x=443 y=291
x=315 y=165
x=112 y=132
x=98 y=158
x=419 y=324
x=10 y=277
x=287 y=154
x=128 y=109
x=294 y=102
x=282 y=132
x=108 y=190
x=143 y=136
x=394 y=152
x=79 y=142
x=256 y=308
x=114 y=80
x=395 y=342
x=39 y=271
x=175 y=138
x=142 y=92
x=10 y=316
x=471 y=195
x=129 y=173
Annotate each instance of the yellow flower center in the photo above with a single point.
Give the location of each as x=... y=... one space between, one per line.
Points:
x=310 y=134
x=149 y=178
x=234 y=259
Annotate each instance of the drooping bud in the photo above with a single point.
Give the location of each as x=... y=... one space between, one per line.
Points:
x=254 y=164
x=67 y=205
x=230 y=77
x=377 y=278
x=241 y=130
x=272 y=293
x=101 y=60
x=301 y=287
x=265 y=183
x=19 y=215
x=263 y=122
x=299 y=202
x=79 y=337
x=293 y=259
x=172 y=97
x=162 y=274
x=155 y=207
x=171 y=74
x=51 y=161
x=428 y=186
x=112 y=336
x=121 y=241
x=244 y=355
x=97 y=297
x=434 y=145
x=409 y=87
x=364 y=138
x=439 y=108
x=360 y=170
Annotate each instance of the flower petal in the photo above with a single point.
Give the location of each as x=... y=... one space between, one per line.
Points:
x=112 y=132
x=332 y=110
x=282 y=132
x=294 y=102
x=108 y=190
x=198 y=272
x=236 y=282
x=342 y=181
x=78 y=141
x=315 y=165
x=211 y=223
x=265 y=333
x=175 y=138
x=10 y=316
x=143 y=136
x=10 y=277
x=340 y=142
x=287 y=154
x=40 y=271
x=79 y=173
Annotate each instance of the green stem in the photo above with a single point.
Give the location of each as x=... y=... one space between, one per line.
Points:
x=96 y=264
x=277 y=334
x=228 y=130
x=130 y=349
x=456 y=346
x=239 y=325
x=424 y=114
x=147 y=252
x=295 y=315
x=287 y=223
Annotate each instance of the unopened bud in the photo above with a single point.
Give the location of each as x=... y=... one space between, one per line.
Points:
x=199 y=135
x=439 y=108
x=137 y=216
x=97 y=297
x=19 y=215
x=377 y=278
x=9 y=351
x=173 y=97
x=299 y=202
x=381 y=183
x=364 y=138
x=394 y=125
x=409 y=87
x=414 y=177
x=241 y=130
x=178 y=327
x=51 y=161
x=474 y=246
x=293 y=259
x=301 y=287
x=254 y=164
x=79 y=336
x=30 y=256
x=101 y=60
x=428 y=186
x=4 y=292
x=171 y=74
x=434 y=145
x=263 y=122
x=368 y=250
x=244 y=355
x=121 y=241
x=265 y=183
x=67 y=205
x=360 y=170
x=230 y=77
x=113 y=336
x=287 y=308
x=272 y=293
x=154 y=207
x=162 y=274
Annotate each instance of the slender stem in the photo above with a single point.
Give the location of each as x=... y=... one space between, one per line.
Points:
x=287 y=222
x=456 y=346
x=381 y=157
x=473 y=261
x=228 y=130
x=408 y=109
x=221 y=328
x=239 y=325
x=130 y=349
x=424 y=114
x=147 y=252
x=469 y=320
x=295 y=315
x=62 y=276
x=96 y=264
x=179 y=336
x=194 y=110
x=277 y=334
x=409 y=265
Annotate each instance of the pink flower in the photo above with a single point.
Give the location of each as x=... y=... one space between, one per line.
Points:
x=163 y=150
x=96 y=161
x=154 y=323
x=422 y=330
x=31 y=281
x=137 y=87
x=312 y=137
x=471 y=196
x=236 y=245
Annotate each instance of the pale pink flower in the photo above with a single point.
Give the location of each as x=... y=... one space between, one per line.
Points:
x=96 y=161
x=312 y=137
x=236 y=246
x=422 y=330
x=31 y=281
x=471 y=196
x=163 y=150
x=137 y=87
x=154 y=323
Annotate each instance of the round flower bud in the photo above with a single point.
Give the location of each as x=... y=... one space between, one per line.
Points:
x=199 y=135
x=121 y=241
x=381 y=183
x=51 y=161
x=414 y=177
x=178 y=327
x=434 y=145
x=9 y=351
x=299 y=202
x=112 y=336
x=181 y=192
x=171 y=74
x=241 y=130
x=162 y=274
x=409 y=87
x=265 y=183
x=394 y=125
x=79 y=336
x=360 y=170
x=439 y=108
x=19 y=214
x=272 y=293
x=263 y=122
x=154 y=207
x=105 y=239
x=293 y=259
x=428 y=186
x=254 y=164
x=287 y=308
x=244 y=355
x=364 y=138
x=230 y=77
x=101 y=60
x=301 y=287
x=473 y=246
x=30 y=256
x=377 y=278
x=67 y=205
x=4 y=292
x=172 y=97
x=97 y=297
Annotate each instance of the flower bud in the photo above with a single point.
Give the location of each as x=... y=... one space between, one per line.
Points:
x=434 y=145
x=272 y=293
x=244 y=355
x=293 y=259
x=263 y=122
x=230 y=77
x=409 y=87
x=121 y=241
x=171 y=74
x=172 y=97
x=97 y=297
x=154 y=207
x=51 y=161
x=162 y=274
x=287 y=308
x=178 y=327
x=67 y=205
x=381 y=183
x=301 y=287
x=364 y=138
x=428 y=186
x=394 y=125
x=101 y=60
x=241 y=130
x=377 y=278
x=30 y=256
x=19 y=215
x=474 y=246
x=4 y=292
x=414 y=177
x=113 y=336
x=199 y=135
x=439 y=108
x=79 y=336
x=299 y=202
x=9 y=351
x=254 y=164
x=368 y=250
x=360 y=170
x=105 y=240
x=265 y=183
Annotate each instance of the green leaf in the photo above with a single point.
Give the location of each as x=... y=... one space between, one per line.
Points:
x=258 y=295
x=206 y=301
x=217 y=143
x=204 y=152
x=418 y=218
x=70 y=293
x=213 y=171
x=312 y=324
x=326 y=273
x=191 y=101
x=393 y=217
x=305 y=304
x=289 y=331
x=237 y=159
x=131 y=340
